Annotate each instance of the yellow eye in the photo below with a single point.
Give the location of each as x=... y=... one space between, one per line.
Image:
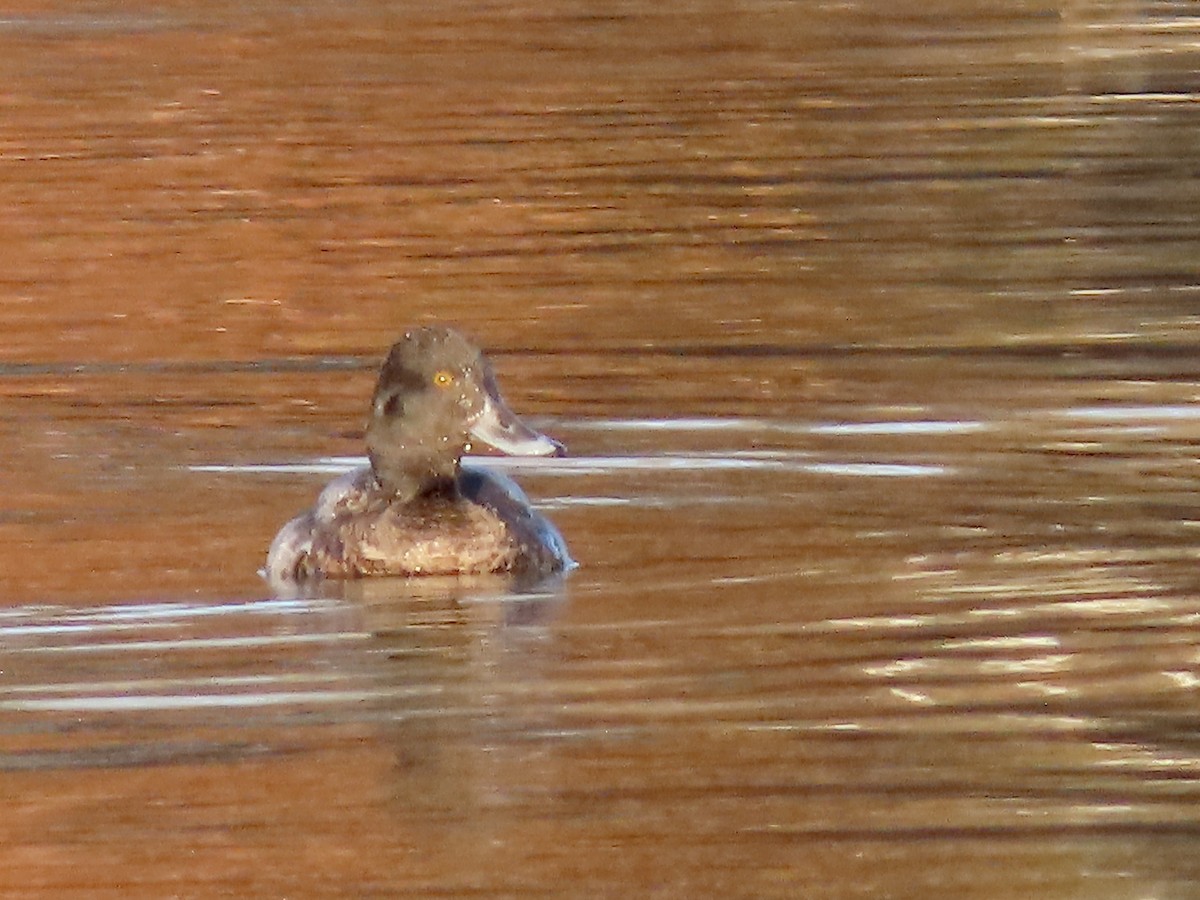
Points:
x=443 y=379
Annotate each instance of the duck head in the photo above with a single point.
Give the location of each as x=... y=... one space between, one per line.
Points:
x=436 y=392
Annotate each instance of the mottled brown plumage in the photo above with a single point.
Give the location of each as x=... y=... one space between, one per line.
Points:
x=415 y=510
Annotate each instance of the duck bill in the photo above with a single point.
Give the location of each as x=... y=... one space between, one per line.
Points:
x=498 y=426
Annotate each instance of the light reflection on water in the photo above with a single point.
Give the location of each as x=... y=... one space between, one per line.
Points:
x=873 y=338
x=1111 y=420
x=747 y=460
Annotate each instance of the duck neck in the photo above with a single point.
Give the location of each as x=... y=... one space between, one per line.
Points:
x=404 y=479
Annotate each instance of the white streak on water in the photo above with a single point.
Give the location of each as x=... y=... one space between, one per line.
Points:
x=224 y=643
x=1135 y=413
x=124 y=702
x=593 y=465
x=886 y=428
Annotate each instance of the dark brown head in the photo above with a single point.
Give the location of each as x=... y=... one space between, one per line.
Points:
x=435 y=393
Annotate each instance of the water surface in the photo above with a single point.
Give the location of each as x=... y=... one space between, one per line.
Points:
x=872 y=334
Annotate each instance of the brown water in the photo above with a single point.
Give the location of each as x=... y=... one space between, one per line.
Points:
x=872 y=329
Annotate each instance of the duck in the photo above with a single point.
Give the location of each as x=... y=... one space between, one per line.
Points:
x=415 y=509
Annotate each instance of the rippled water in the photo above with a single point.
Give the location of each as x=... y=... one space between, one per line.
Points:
x=871 y=333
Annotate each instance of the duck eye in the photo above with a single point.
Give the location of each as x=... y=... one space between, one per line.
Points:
x=443 y=378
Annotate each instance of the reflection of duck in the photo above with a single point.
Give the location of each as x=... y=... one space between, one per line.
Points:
x=415 y=510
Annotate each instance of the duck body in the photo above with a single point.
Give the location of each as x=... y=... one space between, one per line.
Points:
x=416 y=509
x=355 y=530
